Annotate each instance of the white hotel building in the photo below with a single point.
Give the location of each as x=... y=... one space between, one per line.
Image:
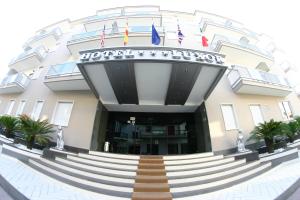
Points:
x=146 y=99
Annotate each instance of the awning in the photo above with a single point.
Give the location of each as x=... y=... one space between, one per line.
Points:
x=151 y=79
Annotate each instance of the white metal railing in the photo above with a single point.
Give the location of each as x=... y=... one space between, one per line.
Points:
x=56 y=32
x=40 y=52
x=226 y=23
x=65 y=69
x=219 y=39
x=18 y=78
x=238 y=73
x=112 y=31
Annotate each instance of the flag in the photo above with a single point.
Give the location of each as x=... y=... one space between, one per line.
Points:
x=114 y=27
x=126 y=35
x=102 y=37
x=155 y=36
x=204 y=41
x=180 y=35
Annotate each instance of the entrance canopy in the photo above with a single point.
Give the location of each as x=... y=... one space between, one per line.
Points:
x=151 y=79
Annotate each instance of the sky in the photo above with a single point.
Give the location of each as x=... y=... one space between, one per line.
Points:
x=279 y=20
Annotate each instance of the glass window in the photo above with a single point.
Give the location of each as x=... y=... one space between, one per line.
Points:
x=10 y=107
x=286 y=110
x=36 y=73
x=37 y=110
x=21 y=108
x=229 y=117
x=256 y=114
x=62 y=113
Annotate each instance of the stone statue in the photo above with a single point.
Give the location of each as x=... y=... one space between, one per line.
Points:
x=240 y=143
x=60 y=140
x=106 y=146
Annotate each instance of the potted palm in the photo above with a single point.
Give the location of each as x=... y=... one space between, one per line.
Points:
x=291 y=130
x=267 y=131
x=35 y=131
x=9 y=125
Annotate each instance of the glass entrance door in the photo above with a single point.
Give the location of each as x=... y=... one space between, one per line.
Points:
x=151 y=133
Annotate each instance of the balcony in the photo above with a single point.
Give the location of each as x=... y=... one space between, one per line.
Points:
x=126 y=11
x=65 y=77
x=235 y=49
x=138 y=35
x=15 y=83
x=29 y=59
x=250 y=81
x=210 y=26
x=47 y=39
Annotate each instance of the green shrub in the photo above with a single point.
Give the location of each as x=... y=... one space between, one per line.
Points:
x=35 y=131
x=267 y=131
x=9 y=125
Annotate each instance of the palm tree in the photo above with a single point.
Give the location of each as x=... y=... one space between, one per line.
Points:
x=35 y=131
x=9 y=125
x=292 y=129
x=267 y=131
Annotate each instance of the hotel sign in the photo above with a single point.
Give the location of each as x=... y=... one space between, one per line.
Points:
x=148 y=54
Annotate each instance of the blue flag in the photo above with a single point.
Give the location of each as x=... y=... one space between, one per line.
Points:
x=155 y=36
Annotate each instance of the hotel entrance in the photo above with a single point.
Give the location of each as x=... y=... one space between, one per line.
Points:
x=151 y=133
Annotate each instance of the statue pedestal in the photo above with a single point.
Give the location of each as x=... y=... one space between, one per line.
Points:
x=248 y=155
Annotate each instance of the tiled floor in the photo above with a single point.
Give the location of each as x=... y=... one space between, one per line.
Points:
x=37 y=186
x=4 y=195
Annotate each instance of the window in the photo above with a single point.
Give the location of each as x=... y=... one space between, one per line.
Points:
x=256 y=114
x=286 y=110
x=21 y=108
x=10 y=107
x=37 y=110
x=228 y=116
x=62 y=113
x=36 y=73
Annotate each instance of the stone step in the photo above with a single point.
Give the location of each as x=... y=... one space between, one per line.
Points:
x=204 y=171
x=151 y=161
x=151 y=157
x=189 y=156
x=218 y=185
x=197 y=180
x=151 y=179
x=96 y=169
x=114 y=155
x=151 y=196
x=108 y=160
x=87 y=175
x=151 y=172
x=82 y=183
x=193 y=160
x=151 y=187
x=122 y=167
x=151 y=166
x=199 y=165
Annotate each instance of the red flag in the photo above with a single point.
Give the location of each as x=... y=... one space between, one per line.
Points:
x=204 y=41
x=102 y=37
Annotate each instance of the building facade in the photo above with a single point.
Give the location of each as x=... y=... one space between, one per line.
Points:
x=169 y=98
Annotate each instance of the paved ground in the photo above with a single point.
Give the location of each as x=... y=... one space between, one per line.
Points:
x=295 y=196
x=37 y=186
x=4 y=195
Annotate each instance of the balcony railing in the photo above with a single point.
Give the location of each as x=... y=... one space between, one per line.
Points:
x=19 y=79
x=56 y=32
x=39 y=52
x=66 y=69
x=218 y=40
x=112 y=31
x=242 y=76
x=126 y=11
x=227 y=24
